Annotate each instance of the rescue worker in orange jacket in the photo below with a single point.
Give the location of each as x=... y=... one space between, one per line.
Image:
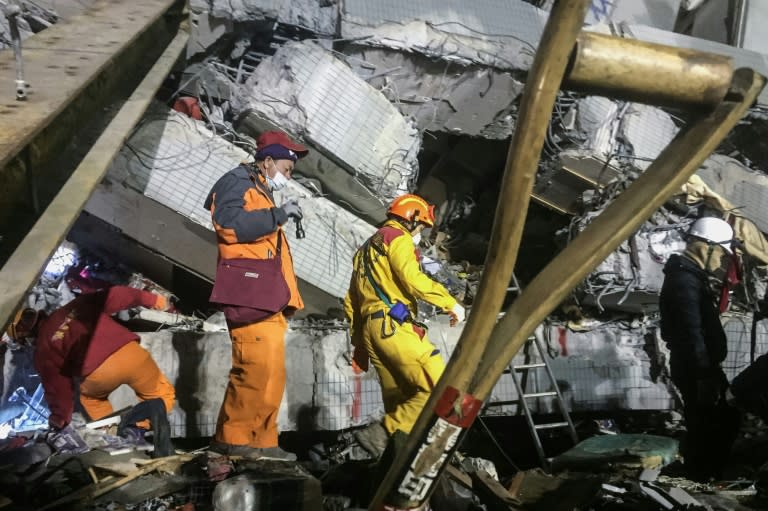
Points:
x=381 y=305
x=249 y=225
x=80 y=340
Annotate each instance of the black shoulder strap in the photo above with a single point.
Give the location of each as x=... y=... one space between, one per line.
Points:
x=279 y=240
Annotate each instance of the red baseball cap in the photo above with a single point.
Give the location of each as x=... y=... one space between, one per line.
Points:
x=269 y=138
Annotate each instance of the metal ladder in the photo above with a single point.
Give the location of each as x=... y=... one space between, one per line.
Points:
x=522 y=400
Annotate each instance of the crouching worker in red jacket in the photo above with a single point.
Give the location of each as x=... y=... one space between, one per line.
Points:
x=81 y=342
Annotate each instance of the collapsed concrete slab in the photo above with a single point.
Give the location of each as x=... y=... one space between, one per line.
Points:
x=175 y=161
x=309 y=92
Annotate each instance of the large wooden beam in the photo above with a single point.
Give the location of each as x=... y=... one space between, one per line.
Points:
x=23 y=268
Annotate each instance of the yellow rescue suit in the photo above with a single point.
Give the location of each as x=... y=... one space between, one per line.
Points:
x=407 y=363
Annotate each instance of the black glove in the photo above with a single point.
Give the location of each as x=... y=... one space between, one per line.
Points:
x=709 y=390
x=66 y=441
x=292 y=209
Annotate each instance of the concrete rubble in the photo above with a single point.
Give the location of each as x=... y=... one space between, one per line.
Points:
x=441 y=96
x=395 y=97
x=298 y=87
x=502 y=35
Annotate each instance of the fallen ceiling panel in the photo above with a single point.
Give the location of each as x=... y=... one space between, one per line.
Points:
x=175 y=161
x=309 y=92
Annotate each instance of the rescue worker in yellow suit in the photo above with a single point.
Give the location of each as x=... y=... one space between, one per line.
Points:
x=381 y=307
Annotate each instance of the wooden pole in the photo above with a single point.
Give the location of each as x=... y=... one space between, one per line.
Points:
x=412 y=477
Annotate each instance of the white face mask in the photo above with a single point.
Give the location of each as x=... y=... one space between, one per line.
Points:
x=278 y=182
x=417 y=239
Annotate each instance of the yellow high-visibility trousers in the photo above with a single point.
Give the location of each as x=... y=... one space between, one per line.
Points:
x=408 y=365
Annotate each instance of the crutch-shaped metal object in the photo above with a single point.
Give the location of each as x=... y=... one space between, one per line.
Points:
x=12 y=10
x=479 y=360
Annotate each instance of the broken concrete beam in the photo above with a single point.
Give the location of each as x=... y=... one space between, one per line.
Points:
x=168 y=318
x=607 y=367
x=646 y=130
x=596 y=119
x=503 y=35
x=739 y=185
x=309 y=92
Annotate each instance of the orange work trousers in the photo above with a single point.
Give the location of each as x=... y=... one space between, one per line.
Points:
x=131 y=365
x=248 y=415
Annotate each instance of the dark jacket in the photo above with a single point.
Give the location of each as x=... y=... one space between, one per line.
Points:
x=690 y=323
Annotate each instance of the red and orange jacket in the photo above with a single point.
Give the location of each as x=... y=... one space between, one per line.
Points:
x=247 y=222
x=78 y=337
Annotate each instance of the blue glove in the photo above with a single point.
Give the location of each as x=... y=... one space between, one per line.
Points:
x=66 y=441
x=292 y=209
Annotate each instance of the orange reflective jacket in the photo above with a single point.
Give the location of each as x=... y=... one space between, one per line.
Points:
x=247 y=221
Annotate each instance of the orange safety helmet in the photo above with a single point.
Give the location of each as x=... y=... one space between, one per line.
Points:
x=413 y=208
x=23 y=323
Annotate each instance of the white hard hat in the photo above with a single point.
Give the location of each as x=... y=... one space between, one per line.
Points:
x=713 y=230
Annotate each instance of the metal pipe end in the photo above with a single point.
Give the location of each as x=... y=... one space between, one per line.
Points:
x=21 y=90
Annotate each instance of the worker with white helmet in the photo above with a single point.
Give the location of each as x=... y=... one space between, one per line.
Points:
x=690 y=325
